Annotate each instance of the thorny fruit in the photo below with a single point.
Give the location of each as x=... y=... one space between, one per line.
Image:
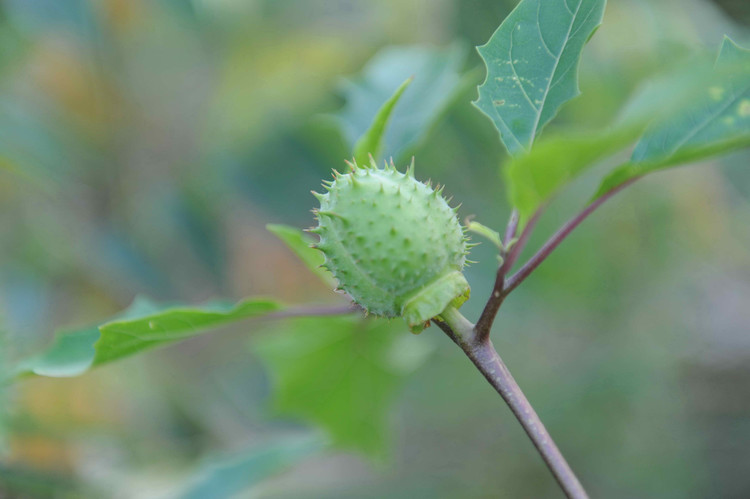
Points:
x=393 y=243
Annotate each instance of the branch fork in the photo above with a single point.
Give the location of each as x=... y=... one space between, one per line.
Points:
x=474 y=339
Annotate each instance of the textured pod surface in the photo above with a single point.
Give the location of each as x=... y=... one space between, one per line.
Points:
x=393 y=243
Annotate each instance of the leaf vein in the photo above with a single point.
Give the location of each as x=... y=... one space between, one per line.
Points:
x=561 y=76
x=539 y=29
x=545 y=93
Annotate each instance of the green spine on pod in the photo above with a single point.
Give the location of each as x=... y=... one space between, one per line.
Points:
x=393 y=243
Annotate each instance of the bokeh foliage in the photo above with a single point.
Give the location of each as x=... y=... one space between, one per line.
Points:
x=144 y=147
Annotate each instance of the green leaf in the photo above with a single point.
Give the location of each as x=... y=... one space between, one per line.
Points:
x=437 y=82
x=300 y=243
x=341 y=373
x=138 y=330
x=227 y=476
x=535 y=177
x=371 y=143
x=532 y=65
x=142 y=326
x=715 y=122
x=720 y=116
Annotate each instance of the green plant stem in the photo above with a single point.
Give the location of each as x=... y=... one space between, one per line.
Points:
x=486 y=359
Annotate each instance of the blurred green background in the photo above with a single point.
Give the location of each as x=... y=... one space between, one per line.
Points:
x=144 y=145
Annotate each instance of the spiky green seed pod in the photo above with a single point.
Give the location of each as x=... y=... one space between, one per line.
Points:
x=393 y=243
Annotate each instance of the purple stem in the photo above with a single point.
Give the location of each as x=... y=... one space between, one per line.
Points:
x=484 y=324
x=559 y=237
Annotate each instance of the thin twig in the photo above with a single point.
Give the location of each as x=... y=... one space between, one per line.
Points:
x=486 y=359
x=488 y=362
x=512 y=282
x=474 y=340
x=518 y=247
x=484 y=324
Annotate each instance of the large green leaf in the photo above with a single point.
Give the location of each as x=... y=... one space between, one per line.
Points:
x=716 y=121
x=142 y=326
x=721 y=116
x=301 y=244
x=341 y=373
x=436 y=83
x=535 y=177
x=532 y=65
x=371 y=143
x=136 y=332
